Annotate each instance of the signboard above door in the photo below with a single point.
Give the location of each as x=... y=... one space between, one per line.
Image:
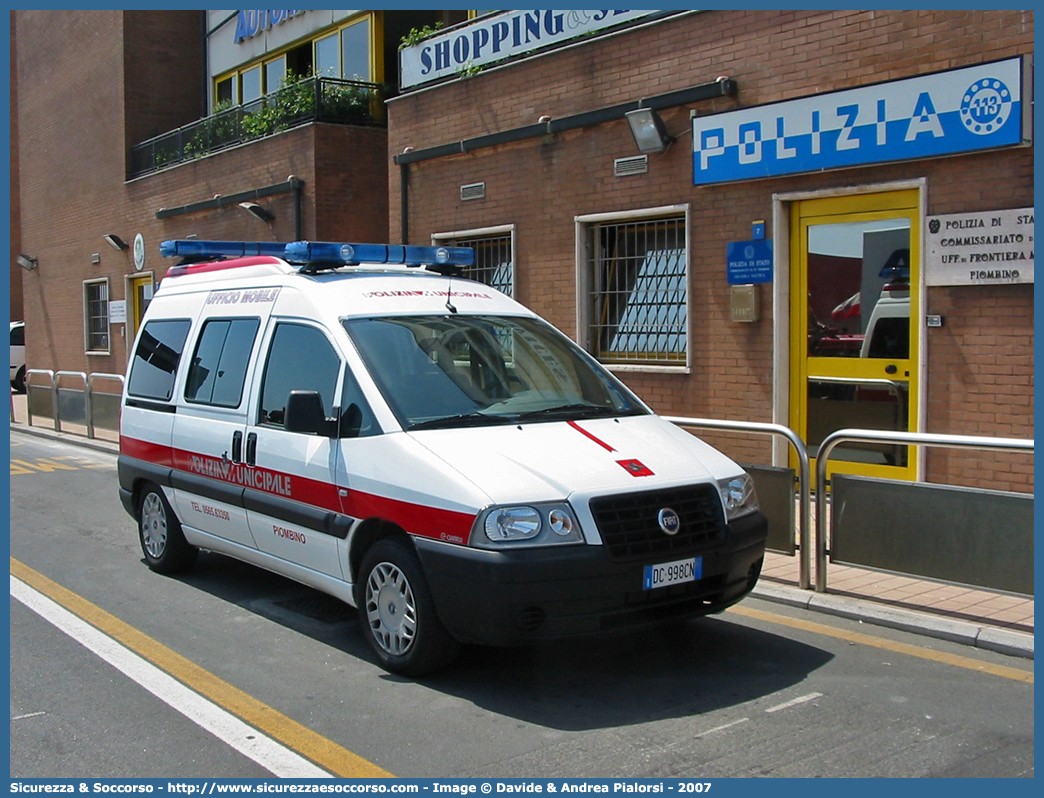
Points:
x=961 y=110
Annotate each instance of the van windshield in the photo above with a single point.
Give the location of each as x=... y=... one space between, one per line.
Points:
x=457 y=371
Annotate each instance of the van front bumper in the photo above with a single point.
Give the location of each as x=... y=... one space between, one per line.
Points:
x=512 y=597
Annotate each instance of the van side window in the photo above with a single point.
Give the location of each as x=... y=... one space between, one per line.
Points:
x=156 y=359
x=300 y=359
x=219 y=365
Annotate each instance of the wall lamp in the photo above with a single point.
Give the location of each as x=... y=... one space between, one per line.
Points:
x=26 y=262
x=650 y=134
x=256 y=210
x=115 y=241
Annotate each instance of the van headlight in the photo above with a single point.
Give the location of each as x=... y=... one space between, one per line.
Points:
x=525 y=525
x=738 y=496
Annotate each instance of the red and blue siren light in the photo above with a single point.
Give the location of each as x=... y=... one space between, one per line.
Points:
x=352 y=254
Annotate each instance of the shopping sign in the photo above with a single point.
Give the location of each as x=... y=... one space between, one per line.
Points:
x=496 y=36
x=960 y=110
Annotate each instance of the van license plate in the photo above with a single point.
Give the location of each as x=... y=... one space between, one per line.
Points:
x=671 y=573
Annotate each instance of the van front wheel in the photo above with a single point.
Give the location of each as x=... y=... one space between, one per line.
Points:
x=162 y=542
x=397 y=613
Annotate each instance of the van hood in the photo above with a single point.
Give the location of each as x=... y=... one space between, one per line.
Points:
x=551 y=461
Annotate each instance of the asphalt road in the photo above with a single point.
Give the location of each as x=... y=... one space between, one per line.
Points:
x=758 y=691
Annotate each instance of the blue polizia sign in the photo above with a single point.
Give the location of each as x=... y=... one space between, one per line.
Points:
x=960 y=110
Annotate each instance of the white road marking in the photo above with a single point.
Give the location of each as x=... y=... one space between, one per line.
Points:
x=271 y=755
x=795 y=701
x=721 y=728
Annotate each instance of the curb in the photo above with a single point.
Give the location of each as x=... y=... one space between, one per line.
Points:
x=111 y=447
x=991 y=638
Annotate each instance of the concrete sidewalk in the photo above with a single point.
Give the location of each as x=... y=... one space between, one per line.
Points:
x=983 y=618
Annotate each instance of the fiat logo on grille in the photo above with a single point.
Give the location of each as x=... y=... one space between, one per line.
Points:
x=669 y=521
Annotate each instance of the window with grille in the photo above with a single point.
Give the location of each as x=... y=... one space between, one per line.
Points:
x=493 y=262
x=96 y=315
x=638 y=291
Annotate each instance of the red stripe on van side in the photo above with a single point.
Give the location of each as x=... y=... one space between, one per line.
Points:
x=417 y=519
x=155 y=453
x=276 y=483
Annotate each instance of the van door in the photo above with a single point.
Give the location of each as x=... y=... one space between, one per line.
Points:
x=210 y=429
x=293 y=503
x=149 y=407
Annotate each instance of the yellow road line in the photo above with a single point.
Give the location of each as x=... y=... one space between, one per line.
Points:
x=324 y=752
x=889 y=645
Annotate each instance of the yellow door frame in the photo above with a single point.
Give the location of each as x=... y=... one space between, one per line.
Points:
x=859 y=207
x=136 y=308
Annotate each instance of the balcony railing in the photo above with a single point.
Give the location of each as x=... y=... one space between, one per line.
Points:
x=343 y=102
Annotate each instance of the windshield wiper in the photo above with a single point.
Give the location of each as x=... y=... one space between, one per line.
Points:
x=570 y=411
x=460 y=420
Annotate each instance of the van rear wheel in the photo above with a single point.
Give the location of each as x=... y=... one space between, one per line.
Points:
x=162 y=541
x=397 y=612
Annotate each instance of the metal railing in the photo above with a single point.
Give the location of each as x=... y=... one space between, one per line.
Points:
x=344 y=102
x=804 y=477
x=108 y=402
x=98 y=407
x=900 y=438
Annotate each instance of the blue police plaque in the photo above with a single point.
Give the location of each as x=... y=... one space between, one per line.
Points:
x=749 y=261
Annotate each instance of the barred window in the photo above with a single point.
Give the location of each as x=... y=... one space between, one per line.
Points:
x=96 y=315
x=638 y=292
x=493 y=258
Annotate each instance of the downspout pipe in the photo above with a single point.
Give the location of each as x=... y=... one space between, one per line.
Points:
x=404 y=202
x=297 y=185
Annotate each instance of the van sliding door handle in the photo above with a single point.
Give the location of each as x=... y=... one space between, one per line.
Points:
x=251 y=453
x=237 y=447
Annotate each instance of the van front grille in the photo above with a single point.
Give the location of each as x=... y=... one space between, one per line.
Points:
x=630 y=528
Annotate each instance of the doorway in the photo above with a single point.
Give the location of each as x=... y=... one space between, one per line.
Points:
x=855 y=283
x=141 y=288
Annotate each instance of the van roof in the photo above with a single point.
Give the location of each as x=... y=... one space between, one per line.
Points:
x=365 y=289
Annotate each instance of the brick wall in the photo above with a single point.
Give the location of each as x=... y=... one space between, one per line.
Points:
x=15 y=242
x=162 y=49
x=92 y=84
x=69 y=74
x=541 y=184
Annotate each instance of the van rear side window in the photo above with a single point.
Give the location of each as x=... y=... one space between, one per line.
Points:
x=156 y=359
x=219 y=365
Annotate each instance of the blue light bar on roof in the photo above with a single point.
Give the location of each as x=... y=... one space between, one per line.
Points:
x=238 y=249
x=329 y=252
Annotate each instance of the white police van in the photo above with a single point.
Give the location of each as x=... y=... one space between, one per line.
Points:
x=364 y=420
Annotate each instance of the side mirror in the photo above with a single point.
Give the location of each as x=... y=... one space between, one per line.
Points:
x=305 y=413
